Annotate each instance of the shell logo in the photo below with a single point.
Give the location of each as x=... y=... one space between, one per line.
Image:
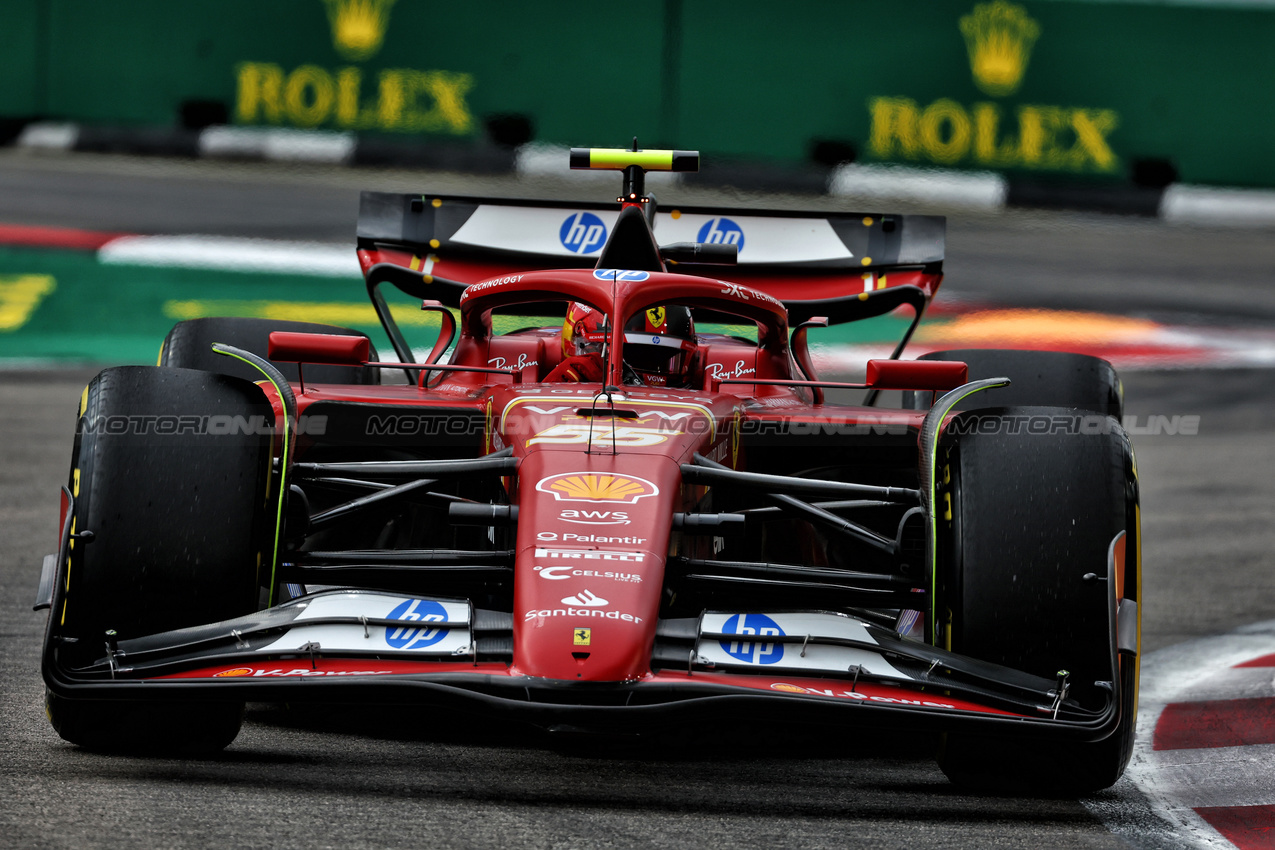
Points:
x=235 y=671
x=788 y=689
x=597 y=487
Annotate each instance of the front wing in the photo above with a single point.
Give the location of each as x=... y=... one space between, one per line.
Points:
x=374 y=646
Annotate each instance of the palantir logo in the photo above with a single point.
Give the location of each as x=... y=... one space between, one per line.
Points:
x=721 y=231
x=416 y=611
x=582 y=233
x=753 y=651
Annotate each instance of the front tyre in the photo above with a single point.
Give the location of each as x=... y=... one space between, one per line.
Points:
x=171 y=472
x=1031 y=514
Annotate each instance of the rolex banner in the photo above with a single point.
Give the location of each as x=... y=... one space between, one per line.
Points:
x=1049 y=89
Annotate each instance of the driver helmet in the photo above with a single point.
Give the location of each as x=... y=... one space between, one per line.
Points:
x=659 y=345
x=583 y=331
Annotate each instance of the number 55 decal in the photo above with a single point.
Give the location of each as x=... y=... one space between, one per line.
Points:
x=625 y=435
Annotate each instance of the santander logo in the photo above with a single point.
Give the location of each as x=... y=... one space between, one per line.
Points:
x=585 y=598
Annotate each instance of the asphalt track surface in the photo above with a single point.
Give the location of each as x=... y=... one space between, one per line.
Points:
x=390 y=777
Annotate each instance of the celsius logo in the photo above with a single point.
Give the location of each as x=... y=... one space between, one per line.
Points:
x=753 y=651
x=582 y=233
x=584 y=597
x=721 y=231
x=416 y=611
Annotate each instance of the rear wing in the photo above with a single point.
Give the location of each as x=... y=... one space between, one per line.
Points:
x=793 y=256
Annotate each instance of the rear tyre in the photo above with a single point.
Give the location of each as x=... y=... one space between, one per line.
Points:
x=176 y=495
x=1033 y=509
x=1054 y=378
x=189 y=346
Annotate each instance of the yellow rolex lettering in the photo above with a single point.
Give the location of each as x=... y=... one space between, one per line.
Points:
x=349 y=83
x=260 y=93
x=945 y=131
x=420 y=106
x=988 y=148
x=1092 y=127
x=406 y=100
x=1038 y=129
x=894 y=121
x=393 y=99
x=448 y=91
x=309 y=95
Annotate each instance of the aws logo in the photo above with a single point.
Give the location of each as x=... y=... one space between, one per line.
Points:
x=999 y=37
x=358 y=26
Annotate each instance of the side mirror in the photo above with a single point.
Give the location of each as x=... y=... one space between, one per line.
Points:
x=917 y=374
x=328 y=349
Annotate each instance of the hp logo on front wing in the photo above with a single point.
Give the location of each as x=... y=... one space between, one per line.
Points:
x=751 y=647
x=412 y=636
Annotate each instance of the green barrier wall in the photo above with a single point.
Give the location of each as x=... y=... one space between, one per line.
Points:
x=23 y=37
x=1048 y=88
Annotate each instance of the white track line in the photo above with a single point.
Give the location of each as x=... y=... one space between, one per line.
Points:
x=1175 y=781
x=233 y=254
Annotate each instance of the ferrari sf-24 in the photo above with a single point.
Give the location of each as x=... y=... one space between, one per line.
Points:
x=608 y=491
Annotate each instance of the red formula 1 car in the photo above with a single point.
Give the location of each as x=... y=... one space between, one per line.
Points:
x=608 y=492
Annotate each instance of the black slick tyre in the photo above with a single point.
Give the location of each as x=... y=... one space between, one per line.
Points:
x=1034 y=504
x=171 y=473
x=189 y=346
x=1054 y=378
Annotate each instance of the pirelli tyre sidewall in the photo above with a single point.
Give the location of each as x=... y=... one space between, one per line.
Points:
x=189 y=346
x=1053 y=378
x=171 y=473
x=1030 y=500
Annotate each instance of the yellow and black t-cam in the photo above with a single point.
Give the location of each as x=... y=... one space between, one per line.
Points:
x=618 y=159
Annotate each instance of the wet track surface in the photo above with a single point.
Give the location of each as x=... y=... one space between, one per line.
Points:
x=395 y=776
